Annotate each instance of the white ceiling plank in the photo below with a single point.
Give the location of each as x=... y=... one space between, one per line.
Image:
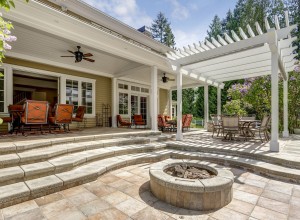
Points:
x=235 y=36
x=127 y=70
x=258 y=28
x=250 y=31
x=242 y=33
x=221 y=40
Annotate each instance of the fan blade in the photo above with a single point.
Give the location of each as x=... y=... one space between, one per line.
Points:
x=66 y=56
x=87 y=59
x=87 y=55
x=71 y=52
x=171 y=79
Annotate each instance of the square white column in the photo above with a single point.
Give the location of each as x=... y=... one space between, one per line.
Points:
x=179 y=135
x=206 y=106
x=114 y=103
x=274 y=144
x=285 y=132
x=170 y=103
x=153 y=103
x=219 y=102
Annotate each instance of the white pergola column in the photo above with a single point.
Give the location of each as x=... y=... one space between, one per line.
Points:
x=206 y=106
x=219 y=102
x=114 y=103
x=285 y=132
x=274 y=144
x=179 y=135
x=170 y=102
x=154 y=102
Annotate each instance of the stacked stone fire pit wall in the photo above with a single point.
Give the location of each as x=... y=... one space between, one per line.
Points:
x=196 y=194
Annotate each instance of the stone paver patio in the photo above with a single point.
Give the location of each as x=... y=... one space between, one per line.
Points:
x=124 y=194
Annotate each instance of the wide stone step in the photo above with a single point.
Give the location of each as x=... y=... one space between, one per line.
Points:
x=23 y=191
x=269 y=157
x=20 y=146
x=29 y=189
x=68 y=162
x=43 y=154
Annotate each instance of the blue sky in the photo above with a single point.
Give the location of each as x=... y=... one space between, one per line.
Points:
x=189 y=18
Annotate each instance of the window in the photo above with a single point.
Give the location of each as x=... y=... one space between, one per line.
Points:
x=87 y=97
x=123 y=86
x=80 y=93
x=72 y=93
x=143 y=107
x=144 y=90
x=1 y=91
x=135 y=88
x=123 y=103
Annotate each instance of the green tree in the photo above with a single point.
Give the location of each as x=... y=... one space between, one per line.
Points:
x=161 y=30
x=215 y=28
x=169 y=38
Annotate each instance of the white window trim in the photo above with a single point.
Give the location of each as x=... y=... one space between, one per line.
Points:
x=9 y=68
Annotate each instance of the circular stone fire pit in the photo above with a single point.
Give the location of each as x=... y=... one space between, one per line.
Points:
x=211 y=192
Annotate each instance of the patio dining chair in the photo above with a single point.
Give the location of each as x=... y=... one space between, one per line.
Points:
x=216 y=124
x=230 y=126
x=79 y=117
x=35 y=113
x=62 y=117
x=14 y=117
x=122 y=123
x=162 y=124
x=139 y=121
x=186 y=121
x=263 y=128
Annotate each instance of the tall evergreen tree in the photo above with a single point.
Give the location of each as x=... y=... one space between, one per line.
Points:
x=215 y=28
x=169 y=38
x=161 y=30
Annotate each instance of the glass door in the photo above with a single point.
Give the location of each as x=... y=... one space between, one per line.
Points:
x=134 y=105
x=143 y=107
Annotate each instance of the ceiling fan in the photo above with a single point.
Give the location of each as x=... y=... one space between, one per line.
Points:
x=80 y=56
x=166 y=79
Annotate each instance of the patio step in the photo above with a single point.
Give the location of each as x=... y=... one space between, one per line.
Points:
x=68 y=162
x=268 y=157
x=29 y=189
x=44 y=141
x=46 y=153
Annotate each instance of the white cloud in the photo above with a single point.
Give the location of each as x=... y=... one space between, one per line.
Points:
x=184 y=38
x=179 y=11
x=126 y=11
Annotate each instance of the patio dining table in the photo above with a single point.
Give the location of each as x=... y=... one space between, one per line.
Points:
x=245 y=125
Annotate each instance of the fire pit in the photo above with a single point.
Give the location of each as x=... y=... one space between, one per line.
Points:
x=191 y=184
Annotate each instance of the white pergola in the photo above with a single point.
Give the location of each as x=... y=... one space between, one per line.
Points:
x=241 y=56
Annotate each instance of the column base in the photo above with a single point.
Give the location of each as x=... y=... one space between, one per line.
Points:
x=179 y=137
x=274 y=146
x=285 y=134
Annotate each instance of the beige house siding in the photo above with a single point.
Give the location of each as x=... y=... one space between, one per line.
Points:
x=163 y=102
x=103 y=84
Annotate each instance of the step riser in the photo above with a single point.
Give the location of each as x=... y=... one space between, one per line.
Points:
x=24 y=175
x=32 y=194
x=19 y=147
x=20 y=159
x=268 y=159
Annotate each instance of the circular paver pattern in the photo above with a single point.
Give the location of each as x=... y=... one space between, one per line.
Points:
x=196 y=194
